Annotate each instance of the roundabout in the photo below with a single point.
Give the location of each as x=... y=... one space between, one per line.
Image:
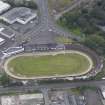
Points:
x=46 y=65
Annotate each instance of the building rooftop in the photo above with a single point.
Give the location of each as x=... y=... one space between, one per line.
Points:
x=27 y=99
x=13 y=50
x=19 y=14
x=4 y=6
x=32 y=96
x=41 y=47
x=103 y=91
x=1 y=39
x=1 y=55
x=6 y=32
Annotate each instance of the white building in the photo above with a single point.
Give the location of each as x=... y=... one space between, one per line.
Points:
x=31 y=96
x=12 y=50
x=6 y=32
x=2 y=41
x=4 y=6
x=1 y=55
x=103 y=91
x=26 y=99
x=21 y=15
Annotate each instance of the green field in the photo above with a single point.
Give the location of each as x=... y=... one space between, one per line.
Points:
x=49 y=65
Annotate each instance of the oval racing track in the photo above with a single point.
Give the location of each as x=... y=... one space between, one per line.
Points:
x=22 y=77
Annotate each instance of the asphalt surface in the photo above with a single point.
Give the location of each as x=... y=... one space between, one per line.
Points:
x=47 y=24
x=51 y=86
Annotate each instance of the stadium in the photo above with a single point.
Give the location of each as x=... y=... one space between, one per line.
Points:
x=75 y=61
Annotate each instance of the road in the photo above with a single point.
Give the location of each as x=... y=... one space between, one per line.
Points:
x=47 y=23
x=51 y=86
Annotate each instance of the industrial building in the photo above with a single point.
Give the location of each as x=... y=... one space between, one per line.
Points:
x=103 y=91
x=2 y=41
x=4 y=6
x=13 y=50
x=63 y=98
x=1 y=55
x=6 y=32
x=21 y=15
x=39 y=47
x=26 y=99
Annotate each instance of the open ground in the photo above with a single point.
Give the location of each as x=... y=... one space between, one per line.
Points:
x=59 y=5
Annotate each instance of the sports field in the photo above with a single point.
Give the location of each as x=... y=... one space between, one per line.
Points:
x=49 y=65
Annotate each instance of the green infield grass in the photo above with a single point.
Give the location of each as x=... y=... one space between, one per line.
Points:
x=49 y=65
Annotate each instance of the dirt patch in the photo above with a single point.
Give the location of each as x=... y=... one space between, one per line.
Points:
x=59 y=5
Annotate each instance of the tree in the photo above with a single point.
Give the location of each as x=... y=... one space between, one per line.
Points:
x=4 y=80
